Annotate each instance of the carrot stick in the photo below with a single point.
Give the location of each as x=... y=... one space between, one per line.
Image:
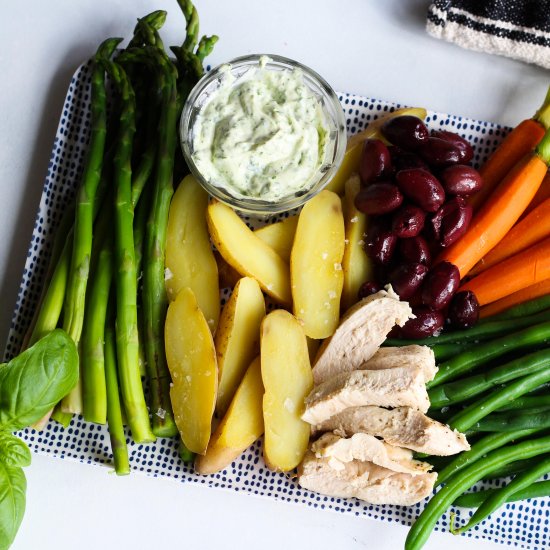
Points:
x=519 y=142
x=527 y=232
x=541 y=195
x=498 y=215
x=521 y=296
x=516 y=273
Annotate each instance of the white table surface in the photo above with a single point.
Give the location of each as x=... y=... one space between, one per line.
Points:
x=378 y=49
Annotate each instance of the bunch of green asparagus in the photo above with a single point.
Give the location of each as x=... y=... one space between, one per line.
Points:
x=93 y=291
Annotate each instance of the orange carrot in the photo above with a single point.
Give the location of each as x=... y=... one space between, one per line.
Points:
x=541 y=195
x=528 y=293
x=527 y=232
x=516 y=273
x=519 y=142
x=498 y=215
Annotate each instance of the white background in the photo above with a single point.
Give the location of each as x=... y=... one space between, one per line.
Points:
x=374 y=48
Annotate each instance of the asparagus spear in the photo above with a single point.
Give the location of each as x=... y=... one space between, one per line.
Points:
x=73 y=307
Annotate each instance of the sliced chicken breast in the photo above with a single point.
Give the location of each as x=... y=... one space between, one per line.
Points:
x=398 y=387
x=366 y=448
x=364 y=480
x=406 y=356
x=362 y=329
x=402 y=427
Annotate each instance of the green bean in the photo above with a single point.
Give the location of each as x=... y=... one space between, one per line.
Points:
x=496 y=500
x=511 y=421
x=436 y=507
x=513 y=468
x=443 y=352
x=527 y=402
x=481 y=354
x=474 y=500
x=466 y=388
x=478 y=450
x=473 y=413
x=521 y=310
x=478 y=333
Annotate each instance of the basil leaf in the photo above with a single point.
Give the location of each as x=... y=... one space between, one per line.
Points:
x=13 y=485
x=34 y=381
x=13 y=451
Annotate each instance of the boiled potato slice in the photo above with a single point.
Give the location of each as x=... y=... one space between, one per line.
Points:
x=247 y=253
x=287 y=378
x=350 y=163
x=241 y=426
x=189 y=257
x=191 y=359
x=356 y=264
x=316 y=265
x=238 y=338
x=279 y=236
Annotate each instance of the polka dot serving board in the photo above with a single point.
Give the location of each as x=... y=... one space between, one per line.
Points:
x=523 y=524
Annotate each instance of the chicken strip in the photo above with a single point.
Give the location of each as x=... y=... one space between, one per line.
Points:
x=402 y=427
x=401 y=386
x=362 y=329
x=364 y=480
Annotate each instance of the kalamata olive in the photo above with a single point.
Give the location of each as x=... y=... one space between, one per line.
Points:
x=401 y=159
x=408 y=221
x=466 y=150
x=427 y=323
x=368 y=288
x=422 y=188
x=460 y=179
x=464 y=310
x=451 y=221
x=439 y=153
x=406 y=131
x=407 y=278
x=378 y=198
x=440 y=285
x=414 y=250
x=381 y=243
x=375 y=161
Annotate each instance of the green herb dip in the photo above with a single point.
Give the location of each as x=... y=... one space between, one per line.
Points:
x=262 y=135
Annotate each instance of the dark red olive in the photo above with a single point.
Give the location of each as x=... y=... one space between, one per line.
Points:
x=408 y=221
x=463 y=145
x=460 y=179
x=451 y=221
x=414 y=250
x=381 y=243
x=427 y=323
x=375 y=161
x=401 y=159
x=367 y=289
x=407 y=278
x=464 y=310
x=439 y=153
x=422 y=188
x=406 y=131
x=378 y=198
x=440 y=285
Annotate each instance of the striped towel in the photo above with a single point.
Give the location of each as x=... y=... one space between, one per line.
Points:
x=519 y=29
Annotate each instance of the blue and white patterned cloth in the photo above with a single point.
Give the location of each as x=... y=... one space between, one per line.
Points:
x=519 y=29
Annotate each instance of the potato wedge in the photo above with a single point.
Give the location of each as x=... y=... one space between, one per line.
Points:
x=241 y=426
x=350 y=163
x=191 y=359
x=238 y=338
x=316 y=265
x=357 y=266
x=279 y=236
x=287 y=378
x=247 y=253
x=189 y=257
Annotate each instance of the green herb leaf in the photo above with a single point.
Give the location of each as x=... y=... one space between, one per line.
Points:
x=13 y=451
x=34 y=381
x=13 y=485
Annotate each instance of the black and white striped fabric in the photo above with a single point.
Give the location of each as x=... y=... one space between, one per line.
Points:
x=515 y=28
